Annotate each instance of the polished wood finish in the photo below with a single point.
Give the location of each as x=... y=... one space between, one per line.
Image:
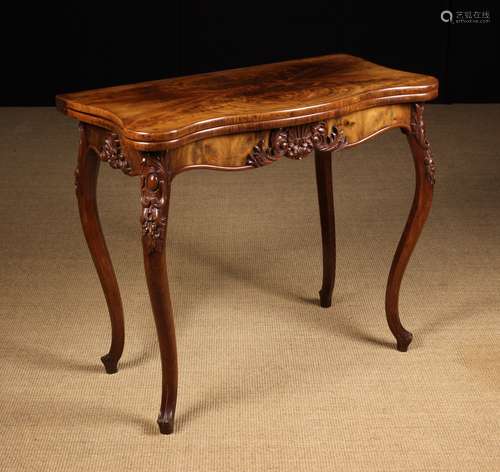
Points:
x=296 y=143
x=168 y=113
x=323 y=164
x=232 y=152
x=239 y=120
x=422 y=200
x=86 y=186
x=155 y=197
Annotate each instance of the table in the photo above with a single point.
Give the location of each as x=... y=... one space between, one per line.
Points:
x=234 y=120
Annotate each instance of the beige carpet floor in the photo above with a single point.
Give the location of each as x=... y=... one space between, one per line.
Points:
x=269 y=381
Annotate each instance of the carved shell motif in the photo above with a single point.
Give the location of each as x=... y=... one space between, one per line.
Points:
x=296 y=143
x=112 y=153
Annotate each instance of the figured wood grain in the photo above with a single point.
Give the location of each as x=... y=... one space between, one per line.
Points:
x=168 y=113
x=231 y=152
x=359 y=126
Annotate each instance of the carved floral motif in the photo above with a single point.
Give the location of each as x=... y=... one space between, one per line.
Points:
x=154 y=199
x=296 y=143
x=417 y=127
x=112 y=153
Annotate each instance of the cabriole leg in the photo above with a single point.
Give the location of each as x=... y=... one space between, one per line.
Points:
x=425 y=178
x=323 y=164
x=155 y=194
x=85 y=184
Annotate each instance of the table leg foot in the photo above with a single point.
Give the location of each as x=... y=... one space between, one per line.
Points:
x=404 y=340
x=323 y=164
x=166 y=422
x=110 y=364
x=422 y=200
x=325 y=298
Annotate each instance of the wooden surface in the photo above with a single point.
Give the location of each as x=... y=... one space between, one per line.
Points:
x=86 y=174
x=237 y=120
x=324 y=184
x=231 y=152
x=168 y=113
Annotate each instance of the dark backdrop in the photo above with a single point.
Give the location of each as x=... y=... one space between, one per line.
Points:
x=83 y=45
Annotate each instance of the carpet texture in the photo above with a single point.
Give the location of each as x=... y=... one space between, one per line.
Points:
x=269 y=381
